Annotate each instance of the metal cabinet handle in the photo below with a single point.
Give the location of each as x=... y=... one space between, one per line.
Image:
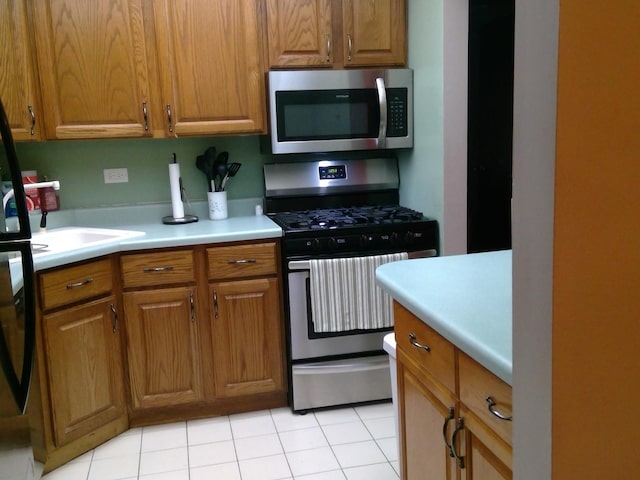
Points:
x=412 y=341
x=114 y=322
x=170 y=123
x=449 y=417
x=328 y=48
x=32 y=131
x=491 y=404
x=193 y=309
x=146 y=118
x=241 y=261
x=215 y=305
x=349 y=46
x=382 y=103
x=81 y=283
x=166 y=268
x=459 y=458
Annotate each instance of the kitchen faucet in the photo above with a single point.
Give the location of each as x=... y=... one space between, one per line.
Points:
x=55 y=184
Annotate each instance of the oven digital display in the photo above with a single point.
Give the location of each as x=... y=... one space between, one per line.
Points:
x=333 y=172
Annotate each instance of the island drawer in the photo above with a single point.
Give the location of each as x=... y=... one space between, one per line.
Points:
x=157 y=268
x=477 y=385
x=237 y=261
x=414 y=337
x=73 y=284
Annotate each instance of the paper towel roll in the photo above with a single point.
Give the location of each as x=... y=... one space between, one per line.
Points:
x=176 y=197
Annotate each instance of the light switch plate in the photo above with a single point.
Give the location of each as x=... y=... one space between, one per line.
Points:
x=116 y=175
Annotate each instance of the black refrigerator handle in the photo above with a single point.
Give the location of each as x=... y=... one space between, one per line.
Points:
x=20 y=385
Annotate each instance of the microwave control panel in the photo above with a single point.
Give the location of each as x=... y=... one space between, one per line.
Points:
x=397 y=112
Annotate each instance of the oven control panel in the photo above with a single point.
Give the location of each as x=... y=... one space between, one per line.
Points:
x=333 y=172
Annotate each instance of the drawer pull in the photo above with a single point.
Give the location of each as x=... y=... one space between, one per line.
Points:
x=168 y=268
x=491 y=406
x=215 y=305
x=241 y=261
x=412 y=341
x=81 y=283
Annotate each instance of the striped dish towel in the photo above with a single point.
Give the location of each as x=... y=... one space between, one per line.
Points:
x=344 y=295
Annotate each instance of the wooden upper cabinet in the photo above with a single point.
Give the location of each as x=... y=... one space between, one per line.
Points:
x=300 y=33
x=375 y=32
x=336 y=33
x=18 y=84
x=93 y=67
x=210 y=66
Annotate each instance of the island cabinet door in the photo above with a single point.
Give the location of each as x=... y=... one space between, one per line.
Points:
x=162 y=348
x=427 y=414
x=482 y=463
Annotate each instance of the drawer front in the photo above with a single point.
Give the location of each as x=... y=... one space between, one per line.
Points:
x=242 y=261
x=439 y=360
x=476 y=385
x=76 y=283
x=157 y=268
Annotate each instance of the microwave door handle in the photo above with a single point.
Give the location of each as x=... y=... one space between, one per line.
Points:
x=382 y=101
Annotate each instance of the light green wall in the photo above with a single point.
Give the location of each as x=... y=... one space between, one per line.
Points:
x=421 y=169
x=78 y=165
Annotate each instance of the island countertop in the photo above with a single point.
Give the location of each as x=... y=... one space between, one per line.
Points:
x=465 y=298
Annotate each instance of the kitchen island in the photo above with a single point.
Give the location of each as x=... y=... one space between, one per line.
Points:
x=453 y=322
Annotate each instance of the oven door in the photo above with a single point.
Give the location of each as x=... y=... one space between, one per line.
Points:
x=305 y=344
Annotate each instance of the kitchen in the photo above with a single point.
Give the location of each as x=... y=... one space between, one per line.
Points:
x=438 y=190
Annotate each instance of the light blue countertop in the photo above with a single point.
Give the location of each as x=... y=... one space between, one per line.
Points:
x=465 y=298
x=242 y=224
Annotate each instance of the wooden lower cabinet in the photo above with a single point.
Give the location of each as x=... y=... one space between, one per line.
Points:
x=247 y=337
x=163 y=347
x=424 y=418
x=84 y=366
x=446 y=429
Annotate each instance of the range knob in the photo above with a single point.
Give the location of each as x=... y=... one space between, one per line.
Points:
x=332 y=244
x=366 y=240
x=315 y=245
x=408 y=238
x=394 y=238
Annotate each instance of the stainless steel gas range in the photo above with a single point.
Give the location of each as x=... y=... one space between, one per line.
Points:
x=341 y=219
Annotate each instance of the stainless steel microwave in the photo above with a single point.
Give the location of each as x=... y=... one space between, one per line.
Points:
x=338 y=110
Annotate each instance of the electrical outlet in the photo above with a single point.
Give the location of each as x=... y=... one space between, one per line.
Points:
x=116 y=175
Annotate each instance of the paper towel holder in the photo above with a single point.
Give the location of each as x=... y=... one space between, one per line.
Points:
x=177 y=197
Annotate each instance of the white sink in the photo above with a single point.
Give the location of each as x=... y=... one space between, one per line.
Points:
x=72 y=238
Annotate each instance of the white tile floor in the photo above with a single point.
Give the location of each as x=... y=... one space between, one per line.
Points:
x=341 y=444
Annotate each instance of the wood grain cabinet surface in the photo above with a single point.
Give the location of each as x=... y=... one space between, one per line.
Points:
x=336 y=33
x=18 y=84
x=447 y=430
x=246 y=318
x=210 y=66
x=94 y=72
x=78 y=393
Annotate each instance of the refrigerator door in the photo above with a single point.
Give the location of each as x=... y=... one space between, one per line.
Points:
x=17 y=340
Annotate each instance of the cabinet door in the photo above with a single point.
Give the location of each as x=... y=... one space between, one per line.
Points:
x=18 y=88
x=210 y=66
x=163 y=347
x=93 y=68
x=482 y=463
x=423 y=418
x=247 y=337
x=84 y=364
x=299 y=33
x=375 y=32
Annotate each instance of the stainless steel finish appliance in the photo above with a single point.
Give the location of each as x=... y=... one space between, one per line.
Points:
x=338 y=110
x=338 y=209
x=17 y=325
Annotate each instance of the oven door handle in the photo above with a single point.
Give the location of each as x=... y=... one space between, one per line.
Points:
x=299 y=265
